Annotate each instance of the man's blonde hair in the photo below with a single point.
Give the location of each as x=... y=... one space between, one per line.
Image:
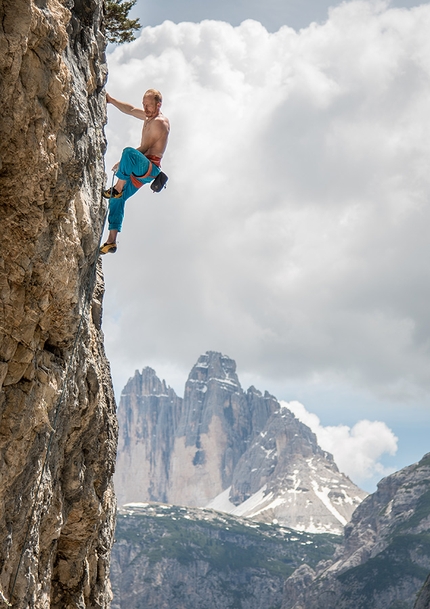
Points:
x=155 y=94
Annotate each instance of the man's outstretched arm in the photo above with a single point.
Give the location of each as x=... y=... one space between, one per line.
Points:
x=125 y=107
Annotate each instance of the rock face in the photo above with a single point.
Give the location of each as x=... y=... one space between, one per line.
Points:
x=58 y=428
x=217 y=424
x=169 y=557
x=423 y=600
x=385 y=557
x=231 y=450
x=284 y=476
x=150 y=413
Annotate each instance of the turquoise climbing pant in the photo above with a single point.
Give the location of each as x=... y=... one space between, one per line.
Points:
x=132 y=162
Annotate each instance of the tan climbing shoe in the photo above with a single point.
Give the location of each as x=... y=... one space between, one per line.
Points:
x=111 y=193
x=108 y=248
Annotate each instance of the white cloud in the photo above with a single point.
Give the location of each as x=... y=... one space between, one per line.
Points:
x=357 y=450
x=293 y=233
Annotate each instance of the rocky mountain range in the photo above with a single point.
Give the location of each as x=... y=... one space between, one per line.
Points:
x=169 y=557
x=385 y=556
x=233 y=450
x=192 y=558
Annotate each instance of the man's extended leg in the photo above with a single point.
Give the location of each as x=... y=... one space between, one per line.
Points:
x=115 y=219
x=111 y=237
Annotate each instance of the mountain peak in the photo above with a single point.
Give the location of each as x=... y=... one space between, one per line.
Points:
x=213 y=366
x=241 y=450
x=146 y=383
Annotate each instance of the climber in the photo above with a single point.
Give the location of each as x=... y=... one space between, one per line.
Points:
x=137 y=166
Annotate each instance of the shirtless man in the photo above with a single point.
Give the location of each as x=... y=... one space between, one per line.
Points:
x=137 y=166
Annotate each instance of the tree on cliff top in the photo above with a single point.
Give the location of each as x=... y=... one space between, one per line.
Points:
x=118 y=27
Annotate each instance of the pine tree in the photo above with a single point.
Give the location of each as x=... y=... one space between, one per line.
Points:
x=118 y=27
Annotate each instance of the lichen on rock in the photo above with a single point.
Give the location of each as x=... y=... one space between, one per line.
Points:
x=58 y=429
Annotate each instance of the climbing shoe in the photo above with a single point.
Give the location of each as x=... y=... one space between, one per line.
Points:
x=108 y=248
x=111 y=193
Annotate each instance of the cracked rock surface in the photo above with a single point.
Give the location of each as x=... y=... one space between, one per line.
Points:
x=58 y=429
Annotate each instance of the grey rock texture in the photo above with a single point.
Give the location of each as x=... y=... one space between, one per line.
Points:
x=149 y=416
x=222 y=447
x=274 y=451
x=385 y=557
x=184 y=450
x=58 y=427
x=188 y=558
x=284 y=476
x=217 y=425
x=423 y=600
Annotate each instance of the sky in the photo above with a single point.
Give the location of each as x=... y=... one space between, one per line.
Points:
x=293 y=234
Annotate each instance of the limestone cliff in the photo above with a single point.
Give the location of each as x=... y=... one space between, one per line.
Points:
x=232 y=450
x=185 y=451
x=150 y=413
x=58 y=427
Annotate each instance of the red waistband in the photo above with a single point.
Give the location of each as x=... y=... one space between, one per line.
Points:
x=154 y=159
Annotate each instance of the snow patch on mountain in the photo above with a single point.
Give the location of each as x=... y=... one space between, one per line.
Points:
x=322 y=502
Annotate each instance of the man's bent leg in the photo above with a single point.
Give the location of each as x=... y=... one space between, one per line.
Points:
x=132 y=162
x=120 y=185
